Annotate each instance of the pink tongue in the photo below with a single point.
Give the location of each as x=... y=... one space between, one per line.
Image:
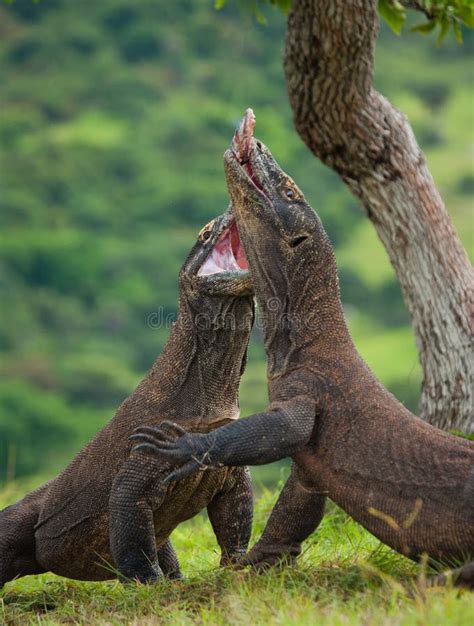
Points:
x=242 y=140
x=221 y=259
x=223 y=254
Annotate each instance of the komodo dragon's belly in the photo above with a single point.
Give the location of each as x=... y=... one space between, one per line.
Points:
x=188 y=498
x=82 y=551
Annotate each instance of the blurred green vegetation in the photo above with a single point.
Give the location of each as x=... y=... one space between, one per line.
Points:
x=114 y=118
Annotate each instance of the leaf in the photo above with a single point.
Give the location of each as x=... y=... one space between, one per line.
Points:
x=457 y=32
x=284 y=5
x=444 y=23
x=252 y=6
x=219 y=4
x=466 y=14
x=393 y=13
x=260 y=17
x=424 y=28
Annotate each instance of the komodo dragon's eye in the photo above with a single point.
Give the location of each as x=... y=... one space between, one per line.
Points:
x=290 y=191
x=206 y=232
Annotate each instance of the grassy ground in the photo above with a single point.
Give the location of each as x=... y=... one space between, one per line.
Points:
x=345 y=577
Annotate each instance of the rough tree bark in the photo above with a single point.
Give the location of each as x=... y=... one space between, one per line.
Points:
x=329 y=56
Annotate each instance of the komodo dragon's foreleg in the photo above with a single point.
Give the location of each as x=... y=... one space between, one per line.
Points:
x=255 y=440
x=295 y=516
x=136 y=493
x=231 y=513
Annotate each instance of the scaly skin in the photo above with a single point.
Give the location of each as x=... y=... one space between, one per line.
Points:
x=64 y=526
x=408 y=483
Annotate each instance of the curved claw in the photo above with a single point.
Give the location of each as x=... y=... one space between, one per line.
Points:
x=146 y=447
x=171 y=455
x=191 y=467
x=153 y=431
x=144 y=438
x=172 y=426
x=263 y=560
x=165 y=435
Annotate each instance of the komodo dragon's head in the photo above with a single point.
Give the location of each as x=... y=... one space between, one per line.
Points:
x=290 y=257
x=216 y=265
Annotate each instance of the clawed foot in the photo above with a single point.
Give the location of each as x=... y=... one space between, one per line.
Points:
x=149 y=576
x=233 y=560
x=462 y=577
x=142 y=574
x=157 y=438
x=263 y=558
x=169 y=441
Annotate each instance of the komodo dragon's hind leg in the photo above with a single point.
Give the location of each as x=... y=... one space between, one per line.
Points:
x=231 y=513
x=17 y=538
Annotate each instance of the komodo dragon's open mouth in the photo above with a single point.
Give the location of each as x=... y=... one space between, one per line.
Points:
x=242 y=146
x=227 y=255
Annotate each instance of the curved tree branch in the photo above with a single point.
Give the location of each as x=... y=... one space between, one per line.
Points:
x=353 y=129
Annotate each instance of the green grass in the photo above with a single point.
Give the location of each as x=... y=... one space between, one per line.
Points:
x=344 y=577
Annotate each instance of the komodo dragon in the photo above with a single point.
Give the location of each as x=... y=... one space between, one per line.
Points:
x=64 y=526
x=408 y=483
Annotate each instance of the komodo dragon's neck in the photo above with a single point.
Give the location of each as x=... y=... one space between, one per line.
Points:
x=307 y=322
x=199 y=370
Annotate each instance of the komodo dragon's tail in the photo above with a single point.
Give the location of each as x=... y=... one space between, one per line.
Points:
x=468 y=493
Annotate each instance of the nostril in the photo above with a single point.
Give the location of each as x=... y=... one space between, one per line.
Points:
x=297 y=240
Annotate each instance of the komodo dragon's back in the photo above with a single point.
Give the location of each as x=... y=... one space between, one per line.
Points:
x=92 y=470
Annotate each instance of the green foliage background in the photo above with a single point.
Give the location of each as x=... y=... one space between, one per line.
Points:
x=114 y=118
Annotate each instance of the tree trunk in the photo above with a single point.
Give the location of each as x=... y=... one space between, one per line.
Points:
x=354 y=130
